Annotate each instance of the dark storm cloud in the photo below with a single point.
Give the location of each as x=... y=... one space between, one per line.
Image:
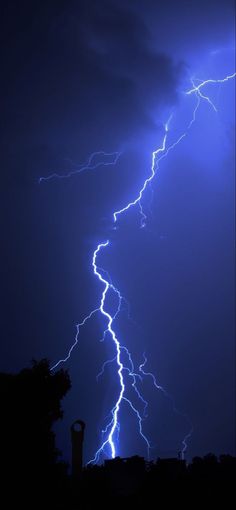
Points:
x=82 y=74
x=122 y=41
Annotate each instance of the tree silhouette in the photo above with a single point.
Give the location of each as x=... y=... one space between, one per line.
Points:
x=30 y=405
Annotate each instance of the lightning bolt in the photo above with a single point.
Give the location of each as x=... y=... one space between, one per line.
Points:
x=122 y=357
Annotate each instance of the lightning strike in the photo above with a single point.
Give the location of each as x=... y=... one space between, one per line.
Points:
x=122 y=357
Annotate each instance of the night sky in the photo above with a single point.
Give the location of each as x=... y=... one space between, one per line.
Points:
x=84 y=76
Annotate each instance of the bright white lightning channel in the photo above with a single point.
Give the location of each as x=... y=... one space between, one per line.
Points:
x=122 y=356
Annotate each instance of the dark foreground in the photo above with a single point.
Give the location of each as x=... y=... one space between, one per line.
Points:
x=33 y=477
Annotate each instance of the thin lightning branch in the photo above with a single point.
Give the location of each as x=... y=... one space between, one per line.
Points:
x=107 y=362
x=140 y=396
x=143 y=215
x=135 y=376
x=104 y=335
x=196 y=88
x=104 y=431
x=140 y=425
x=112 y=429
x=149 y=374
x=184 y=441
x=78 y=326
x=89 y=165
x=199 y=92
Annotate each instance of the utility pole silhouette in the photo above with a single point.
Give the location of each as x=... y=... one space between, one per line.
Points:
x=77 y=439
